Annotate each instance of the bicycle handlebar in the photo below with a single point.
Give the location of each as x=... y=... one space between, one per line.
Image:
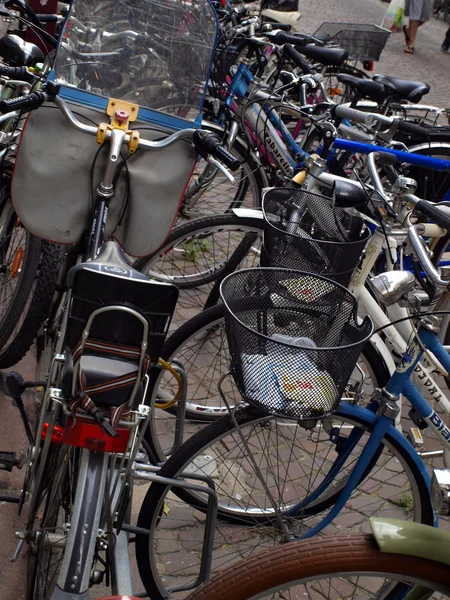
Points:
x=19 y=73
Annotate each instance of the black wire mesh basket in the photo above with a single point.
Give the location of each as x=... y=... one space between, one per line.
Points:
x=362 y=41
x=294 y=340
x=304 y=231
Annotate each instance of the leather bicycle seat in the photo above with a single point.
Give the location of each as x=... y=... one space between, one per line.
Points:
x=367 y=88
x=404 y=89
x=324 y=56
x=18 y=53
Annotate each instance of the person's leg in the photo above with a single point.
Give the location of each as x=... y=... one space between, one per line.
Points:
x=446 y=43
x=411 y=32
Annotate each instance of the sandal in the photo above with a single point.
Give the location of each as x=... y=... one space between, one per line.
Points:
x=409 y=50
x=406 y=35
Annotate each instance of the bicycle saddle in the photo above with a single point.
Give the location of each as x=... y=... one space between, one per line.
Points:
x=18 y=53
x=367 y=88
x=324 y=56
x=404 y=89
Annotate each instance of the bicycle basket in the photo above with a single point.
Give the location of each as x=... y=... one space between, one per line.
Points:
x=293 y=338
x=115 y=55
x=303 y=231
x=362 y=41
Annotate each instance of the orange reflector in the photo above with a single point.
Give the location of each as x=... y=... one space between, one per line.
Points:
x=86 y=434
x=17 y=262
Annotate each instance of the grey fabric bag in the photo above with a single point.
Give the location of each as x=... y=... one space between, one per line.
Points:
x=51 y=188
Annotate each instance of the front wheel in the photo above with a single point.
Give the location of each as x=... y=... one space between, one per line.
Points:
x=294 y=461
x=344 y=566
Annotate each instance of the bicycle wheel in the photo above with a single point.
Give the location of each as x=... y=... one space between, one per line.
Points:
x=336 y=567
x=432 y=185
x=195 y=255
x=19 y=259
x=36 y=310
x=202 y=348
x=294 y=461
x=338 y=91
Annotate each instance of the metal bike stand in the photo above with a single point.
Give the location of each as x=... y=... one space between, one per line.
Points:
x=210 y=523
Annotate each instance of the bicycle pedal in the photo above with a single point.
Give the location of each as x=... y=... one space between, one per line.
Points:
x=9 y=460
x=415 y=437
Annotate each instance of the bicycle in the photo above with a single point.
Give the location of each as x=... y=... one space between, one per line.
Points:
x=110 y=320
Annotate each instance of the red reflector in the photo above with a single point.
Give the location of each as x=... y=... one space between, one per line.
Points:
x=368 y=65
x=57 y=433
x=86 y=434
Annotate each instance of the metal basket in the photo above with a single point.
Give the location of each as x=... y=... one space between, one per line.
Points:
x=362 y=41
x=293 y=338
x=303 y=231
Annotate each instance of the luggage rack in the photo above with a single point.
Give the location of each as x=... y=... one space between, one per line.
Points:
x=362 y=41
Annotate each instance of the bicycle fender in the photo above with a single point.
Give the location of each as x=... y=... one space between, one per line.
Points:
x=413 y=539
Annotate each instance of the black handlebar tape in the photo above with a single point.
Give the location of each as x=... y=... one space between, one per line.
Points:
x=210 y=143
x=29 y=102
x=432 y=211
x=413 y=129
x=282 y=26
x=281 y=38
x=20 y=73
x=386 y=158
x=48 y=18
x=296 y=57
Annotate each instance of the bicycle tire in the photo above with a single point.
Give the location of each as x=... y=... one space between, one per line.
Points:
x=304 y=561
x=211 y=318
x=154 y=507
x=21 y=293
x=38 y=310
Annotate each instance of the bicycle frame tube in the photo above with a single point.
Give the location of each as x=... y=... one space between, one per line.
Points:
x=400 y=382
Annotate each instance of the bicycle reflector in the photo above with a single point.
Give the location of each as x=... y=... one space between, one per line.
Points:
x=87 y=434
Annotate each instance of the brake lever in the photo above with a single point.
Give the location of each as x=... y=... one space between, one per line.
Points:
x=216 y=164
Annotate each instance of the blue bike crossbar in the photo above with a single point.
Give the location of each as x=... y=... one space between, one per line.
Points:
x=427 y=162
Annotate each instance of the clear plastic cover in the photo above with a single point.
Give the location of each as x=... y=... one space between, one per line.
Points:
x=156 y=53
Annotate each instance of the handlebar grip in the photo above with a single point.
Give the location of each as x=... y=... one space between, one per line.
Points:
x=20 y=73
x=432 y=211
x=413 y=129
x=283 y=38
x=234 y=19
x=344 y=112
x=210 y=143
x=295 y=56
x=29 y=102
x=48 y=18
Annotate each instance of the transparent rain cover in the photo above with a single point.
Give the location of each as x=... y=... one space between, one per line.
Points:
x=156 y=53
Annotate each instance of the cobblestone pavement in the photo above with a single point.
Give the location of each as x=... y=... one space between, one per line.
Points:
x=285 y=453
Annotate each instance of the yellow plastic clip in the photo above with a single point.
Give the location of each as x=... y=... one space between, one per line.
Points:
x=134 y=141
x=101 y=133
